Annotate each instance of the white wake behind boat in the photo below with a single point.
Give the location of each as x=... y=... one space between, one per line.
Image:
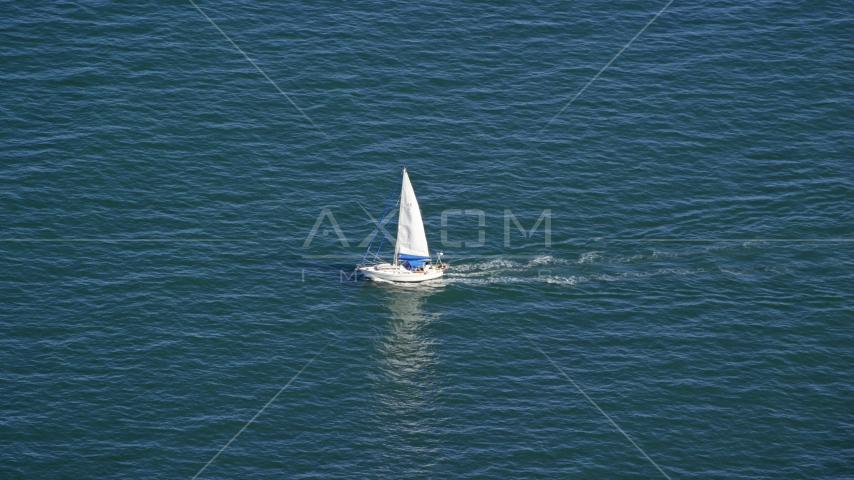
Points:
x=411 y=262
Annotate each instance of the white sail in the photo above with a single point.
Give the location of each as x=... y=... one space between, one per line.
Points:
x=411 y=240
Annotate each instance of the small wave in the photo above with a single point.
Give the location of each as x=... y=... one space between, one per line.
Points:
x=736 y=272
x=558 y=280
x=589 y=257
x=618 y=276
x=554 y=280
x=488 y=265
x=547 y=260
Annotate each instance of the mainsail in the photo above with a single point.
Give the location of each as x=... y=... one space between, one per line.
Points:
x=411 y=240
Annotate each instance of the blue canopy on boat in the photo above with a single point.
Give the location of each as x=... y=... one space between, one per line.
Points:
x=410 y=258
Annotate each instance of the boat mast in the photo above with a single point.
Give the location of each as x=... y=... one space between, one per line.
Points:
x=397 y=238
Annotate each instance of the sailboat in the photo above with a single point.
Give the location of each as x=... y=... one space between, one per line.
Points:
x=411 y=262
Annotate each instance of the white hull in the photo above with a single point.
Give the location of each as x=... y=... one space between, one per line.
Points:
x=392 y=273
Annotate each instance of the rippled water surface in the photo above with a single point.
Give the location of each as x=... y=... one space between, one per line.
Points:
x=160 y=282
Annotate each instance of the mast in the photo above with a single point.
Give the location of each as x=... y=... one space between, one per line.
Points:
x=399 y=218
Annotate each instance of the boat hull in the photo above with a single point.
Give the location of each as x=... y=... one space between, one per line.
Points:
x=398 y=274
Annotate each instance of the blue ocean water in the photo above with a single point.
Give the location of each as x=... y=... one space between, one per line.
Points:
x=691 y=272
